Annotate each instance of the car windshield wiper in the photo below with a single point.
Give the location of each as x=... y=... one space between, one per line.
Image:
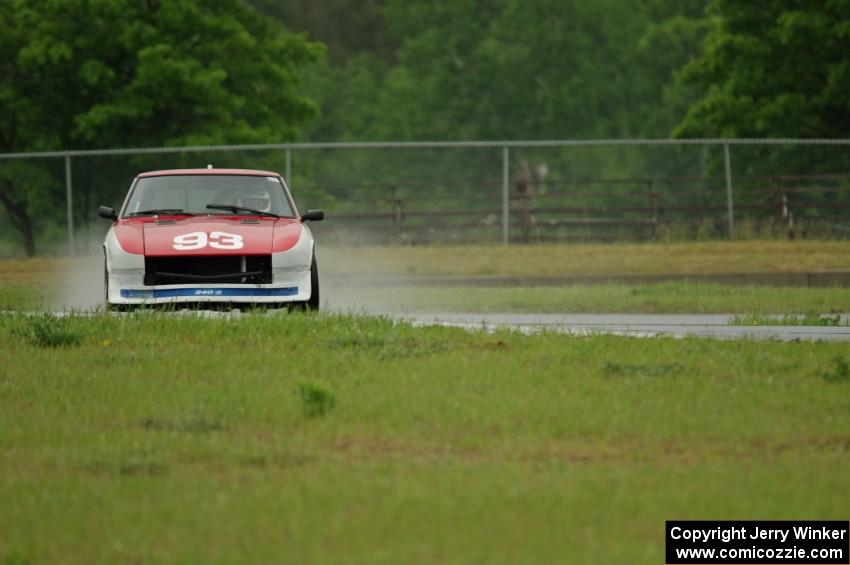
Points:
x=162 y=212
x=236 y=209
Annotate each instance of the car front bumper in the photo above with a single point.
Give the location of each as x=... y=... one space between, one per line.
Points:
x=295 y=288
x=291 y=280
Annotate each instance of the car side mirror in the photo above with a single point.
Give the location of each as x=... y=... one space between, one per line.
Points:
x=313 y=216
x=107 y=212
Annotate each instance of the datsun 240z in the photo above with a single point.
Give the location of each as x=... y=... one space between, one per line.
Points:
x=197 y=236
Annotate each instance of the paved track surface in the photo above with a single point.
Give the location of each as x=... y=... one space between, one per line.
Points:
x=636 y=325
x=639 y=325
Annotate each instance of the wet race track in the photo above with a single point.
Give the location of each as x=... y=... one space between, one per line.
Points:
x=715 y=326
x=638 y=325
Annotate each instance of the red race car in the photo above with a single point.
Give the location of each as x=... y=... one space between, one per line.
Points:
x=210 y=236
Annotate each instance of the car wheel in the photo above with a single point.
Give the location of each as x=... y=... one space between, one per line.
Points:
x=313 y=303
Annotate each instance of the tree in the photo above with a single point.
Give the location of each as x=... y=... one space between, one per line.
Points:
x=504 y=69
x=118 y=73
x=672 y=39
x=519 y=69
x=776 y=68
x=348 y=28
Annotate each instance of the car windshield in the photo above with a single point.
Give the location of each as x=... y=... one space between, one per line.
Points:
x=192 y=193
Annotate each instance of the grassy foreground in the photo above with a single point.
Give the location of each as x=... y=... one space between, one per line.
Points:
x=322 y=439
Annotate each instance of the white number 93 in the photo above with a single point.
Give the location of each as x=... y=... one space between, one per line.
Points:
x=216 y=240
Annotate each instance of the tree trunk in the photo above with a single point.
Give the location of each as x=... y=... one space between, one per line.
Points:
x=28 y=238
x=20 y=219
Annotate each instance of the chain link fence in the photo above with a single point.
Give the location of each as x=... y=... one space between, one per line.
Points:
x=471 y=192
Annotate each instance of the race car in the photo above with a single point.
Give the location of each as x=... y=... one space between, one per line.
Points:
x=201 y=236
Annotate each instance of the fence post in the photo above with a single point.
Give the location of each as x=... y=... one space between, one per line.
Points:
x=397 y=215
x=653 y=207
x=288 y=171
x=69 y=203
x=506 y=190
x=730 y=205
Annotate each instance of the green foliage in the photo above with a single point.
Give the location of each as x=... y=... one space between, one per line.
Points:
x=516 y=69
x=130 y=73
x=772 y=69
x=840 y=371
x=316 y=400
x=123 y=73
x=363 y=29
x=810 y=318
x=15 y=557
x=46 y=330
x=670 y=41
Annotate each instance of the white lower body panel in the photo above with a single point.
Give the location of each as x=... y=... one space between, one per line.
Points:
x=295 y=287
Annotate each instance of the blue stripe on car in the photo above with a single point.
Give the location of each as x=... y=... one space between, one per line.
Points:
x=179 y=292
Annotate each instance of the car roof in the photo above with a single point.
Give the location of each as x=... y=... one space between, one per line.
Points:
x=242 y=172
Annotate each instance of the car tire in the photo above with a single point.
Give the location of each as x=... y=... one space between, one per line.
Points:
x=313 y=303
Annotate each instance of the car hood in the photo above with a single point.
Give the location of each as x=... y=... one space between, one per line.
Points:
x=219 y=236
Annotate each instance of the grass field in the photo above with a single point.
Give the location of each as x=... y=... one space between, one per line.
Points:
x=596 y=259
x=548 y=260
x=323 y=439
